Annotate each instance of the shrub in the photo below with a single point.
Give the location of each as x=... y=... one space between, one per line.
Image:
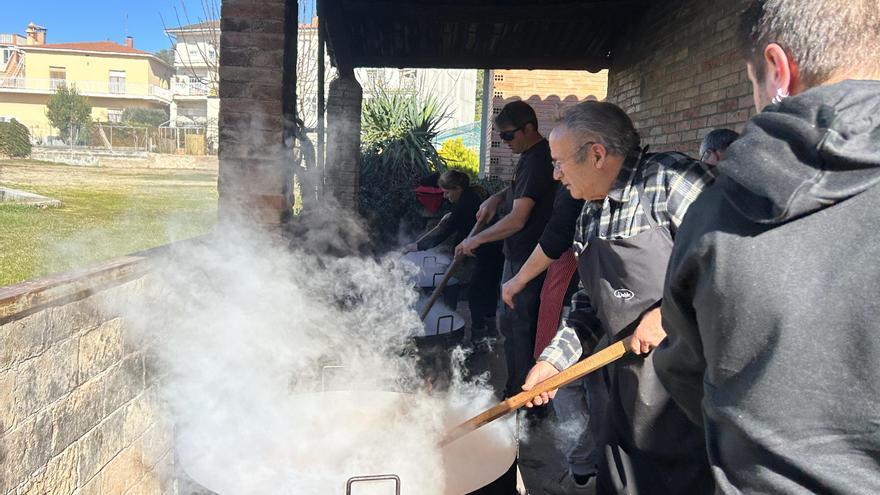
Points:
x=149 y=117
x=15 y=139
x=459 y=157
x=397 y=130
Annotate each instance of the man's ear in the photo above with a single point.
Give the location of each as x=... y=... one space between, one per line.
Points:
x=780 y=70
x=598 y=151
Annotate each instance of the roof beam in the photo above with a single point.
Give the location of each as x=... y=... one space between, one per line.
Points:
x=592 y=64
x=481 y=12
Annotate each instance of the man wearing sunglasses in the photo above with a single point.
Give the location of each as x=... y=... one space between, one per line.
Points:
x=524 y=209
x=623 y=239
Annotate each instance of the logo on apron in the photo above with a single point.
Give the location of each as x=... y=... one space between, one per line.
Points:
x=624 y=294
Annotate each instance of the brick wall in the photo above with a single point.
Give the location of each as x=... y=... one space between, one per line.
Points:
x=678 y=76
x=549 y=92
x=79 y=404
x=342 y=174
x=256 y=175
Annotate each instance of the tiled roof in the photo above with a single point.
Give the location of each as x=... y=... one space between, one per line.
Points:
x=93 y=46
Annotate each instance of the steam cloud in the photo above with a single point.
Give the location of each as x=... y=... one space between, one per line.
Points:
x=247 y=331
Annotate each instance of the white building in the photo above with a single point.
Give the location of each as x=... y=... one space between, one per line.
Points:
x=196 y=100
x=454 y=88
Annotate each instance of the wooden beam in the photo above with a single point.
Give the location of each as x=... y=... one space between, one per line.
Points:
x=332 y=17
x=483 y=12
x=592 y=64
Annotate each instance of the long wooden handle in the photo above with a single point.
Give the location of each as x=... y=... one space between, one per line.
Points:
x=456 y=262
x=442 y=221
x=605 y=356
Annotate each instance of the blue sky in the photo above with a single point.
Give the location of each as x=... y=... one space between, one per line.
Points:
x=98 y=20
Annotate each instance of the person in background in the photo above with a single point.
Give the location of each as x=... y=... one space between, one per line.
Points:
x=484 y=285
x=623 y=239
x=771 y=296
x=573 y=403
x=715 y=144
x=525 y=208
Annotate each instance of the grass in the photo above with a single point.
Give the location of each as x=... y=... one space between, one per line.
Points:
x=106 y=213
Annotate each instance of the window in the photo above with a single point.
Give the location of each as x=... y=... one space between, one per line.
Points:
x=499 y=77
x=493 y=161
x=499 y=94
x=114 y=115
x=5 y=55
x=117 y=82
x=496 y=111
x=493 y=176
x=57 y=77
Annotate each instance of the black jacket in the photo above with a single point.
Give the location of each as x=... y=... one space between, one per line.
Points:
x=772 y=300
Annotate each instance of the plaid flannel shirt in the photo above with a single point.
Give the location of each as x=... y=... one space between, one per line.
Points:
x=672 y=182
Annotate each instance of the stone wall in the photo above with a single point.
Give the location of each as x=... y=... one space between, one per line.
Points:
x=676 y=72
x=124 y=159
x=79 y=404
x=549 y=92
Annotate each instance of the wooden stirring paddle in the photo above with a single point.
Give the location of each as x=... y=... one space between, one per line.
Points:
x=456 y=263
x=605 y=356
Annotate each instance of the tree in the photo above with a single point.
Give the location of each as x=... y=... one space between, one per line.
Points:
x=68 y=111
x=166 y=55
x=460 y=157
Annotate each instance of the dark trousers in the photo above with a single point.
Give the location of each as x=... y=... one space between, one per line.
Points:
x=485 y=287
x=519 y=327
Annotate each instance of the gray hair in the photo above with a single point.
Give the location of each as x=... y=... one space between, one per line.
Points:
x=718 y=140
x=605 y=123
x=823 y=37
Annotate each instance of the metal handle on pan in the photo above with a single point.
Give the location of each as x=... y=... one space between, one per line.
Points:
x=378 y=477
x=325 y=368
x=451 y=323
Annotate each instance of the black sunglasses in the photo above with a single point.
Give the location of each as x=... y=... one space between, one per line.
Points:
x=509 y=135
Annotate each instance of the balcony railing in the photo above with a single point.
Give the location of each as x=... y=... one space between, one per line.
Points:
x=192 y=88
x=88 y=88
x=12 y=39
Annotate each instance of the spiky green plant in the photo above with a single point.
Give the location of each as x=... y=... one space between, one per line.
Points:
x=397 y=129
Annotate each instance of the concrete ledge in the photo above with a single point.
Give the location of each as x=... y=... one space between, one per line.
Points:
x=124 y=159
x=17 y=196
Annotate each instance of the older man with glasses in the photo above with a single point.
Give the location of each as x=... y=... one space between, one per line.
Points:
x=525 y=207
x=635 y=202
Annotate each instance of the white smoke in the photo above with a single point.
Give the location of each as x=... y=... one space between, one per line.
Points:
x=247 y=329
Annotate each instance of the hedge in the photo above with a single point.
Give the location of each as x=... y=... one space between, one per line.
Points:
x=15 y=139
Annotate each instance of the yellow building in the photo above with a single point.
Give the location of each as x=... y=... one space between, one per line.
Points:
x=113 y=77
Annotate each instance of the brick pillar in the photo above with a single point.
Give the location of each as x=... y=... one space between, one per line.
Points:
x=256 y=173
x=342 y=167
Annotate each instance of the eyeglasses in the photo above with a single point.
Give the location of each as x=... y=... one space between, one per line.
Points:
x=509 y=135
x=557 y=163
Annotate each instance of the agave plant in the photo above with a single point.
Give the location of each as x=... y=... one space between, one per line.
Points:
x=397 y=130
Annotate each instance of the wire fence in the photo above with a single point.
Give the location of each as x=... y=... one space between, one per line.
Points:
x=192 y=140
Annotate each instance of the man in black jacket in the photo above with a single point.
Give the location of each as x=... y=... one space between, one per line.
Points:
x=771 y=299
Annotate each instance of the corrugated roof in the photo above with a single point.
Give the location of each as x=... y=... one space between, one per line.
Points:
x=514 y=34
x=211 y=24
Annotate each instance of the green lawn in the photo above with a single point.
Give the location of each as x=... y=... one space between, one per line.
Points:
x=105 y=213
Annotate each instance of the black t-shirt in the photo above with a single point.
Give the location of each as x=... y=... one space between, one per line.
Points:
x=461 y=220
x=559 y=232
x=533 y=179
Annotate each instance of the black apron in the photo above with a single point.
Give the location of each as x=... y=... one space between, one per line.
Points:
x=651 y=446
